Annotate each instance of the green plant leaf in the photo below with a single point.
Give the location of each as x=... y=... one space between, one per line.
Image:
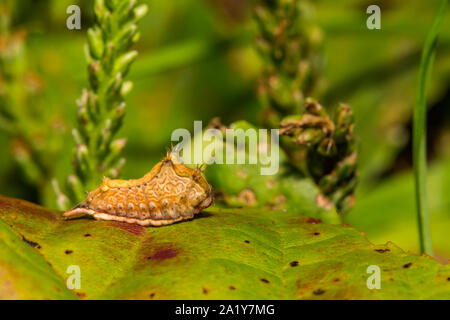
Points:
x=24 y=273
x=221 y=254
x=244 y=185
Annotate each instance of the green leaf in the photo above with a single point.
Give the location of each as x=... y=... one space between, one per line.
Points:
x=221 y=254
x=245 y=185
x=24 y=273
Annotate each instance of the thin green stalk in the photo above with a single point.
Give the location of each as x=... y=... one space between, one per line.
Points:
x=419 y=133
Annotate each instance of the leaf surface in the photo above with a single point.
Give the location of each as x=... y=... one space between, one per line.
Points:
x=221 y=254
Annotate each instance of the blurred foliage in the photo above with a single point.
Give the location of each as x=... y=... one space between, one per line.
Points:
x=289 y=43
x=325 y=147
x=197 y=60
x=322 y=146
x=20 y=118
x=387 y=212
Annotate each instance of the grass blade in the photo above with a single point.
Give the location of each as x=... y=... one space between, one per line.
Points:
x=419 y=132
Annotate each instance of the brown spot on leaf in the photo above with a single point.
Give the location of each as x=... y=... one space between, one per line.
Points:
x=247 y=197
x=232 y=287
x=242 y=174
x=87 y=235
x=152 y=295
x=277 y=204
x=270 y=183
x=81 y=295
x=316 y=233
x=323 y=202
x=296 y=220
x=406 y=266
x=318 y=292
x=205 y=290
x=313 y=221
x=31 y=243
x=264 y=280
x=279 y=199
x=336 y=280
x=246 y=241
x=293 y=263
x=130 y=227
x=382 y=250
x=68 y=251
x=163 y=254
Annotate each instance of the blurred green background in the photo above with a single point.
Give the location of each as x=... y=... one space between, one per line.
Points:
x=197 y=61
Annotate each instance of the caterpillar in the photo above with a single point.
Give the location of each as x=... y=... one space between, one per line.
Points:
x=169 y=193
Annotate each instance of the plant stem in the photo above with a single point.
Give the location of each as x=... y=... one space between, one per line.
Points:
x=419 y=133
